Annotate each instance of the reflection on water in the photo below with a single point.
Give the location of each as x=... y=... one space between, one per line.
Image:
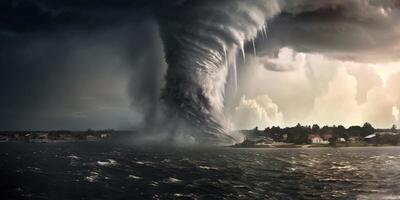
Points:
x=106 y=171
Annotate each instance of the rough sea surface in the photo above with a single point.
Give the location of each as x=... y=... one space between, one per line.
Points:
x=100 y=170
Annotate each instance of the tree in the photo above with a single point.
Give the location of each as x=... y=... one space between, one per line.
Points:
x=256 y=128
x=368 y=129
x=355 y=131
x=315 y=128
x=394 y=128
x=332 y=140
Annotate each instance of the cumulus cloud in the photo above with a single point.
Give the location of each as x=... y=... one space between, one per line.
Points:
x=393 y=90
x=338 y=104
x=260 y=111
x=396 y=113
x=326 y=90
x=393 y=86
x=378 y=108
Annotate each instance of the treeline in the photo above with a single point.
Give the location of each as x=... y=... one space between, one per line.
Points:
x=55 y=134
x=300 y=134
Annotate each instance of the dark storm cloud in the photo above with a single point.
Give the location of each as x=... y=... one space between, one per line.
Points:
x=49 y=81
x=29 y=16
x=67 y=64
x=358 y=30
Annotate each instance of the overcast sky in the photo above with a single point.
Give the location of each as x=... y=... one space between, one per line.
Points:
x=83 y=64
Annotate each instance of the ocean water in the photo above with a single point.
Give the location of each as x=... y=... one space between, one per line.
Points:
x=100 y=170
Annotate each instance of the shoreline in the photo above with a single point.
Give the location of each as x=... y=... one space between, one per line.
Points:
x=295 y=146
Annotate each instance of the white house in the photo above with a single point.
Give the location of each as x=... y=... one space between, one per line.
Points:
x=316 y=139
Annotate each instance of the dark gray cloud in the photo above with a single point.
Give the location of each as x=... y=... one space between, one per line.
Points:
x=62 y=67
x=359 y=30
x=61 y=80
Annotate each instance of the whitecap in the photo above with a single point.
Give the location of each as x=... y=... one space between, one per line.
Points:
x=93 y=177
x=173 y=180
x=208 y=168
x=109 y=162
x=154 y=183
x=73 y=157
x=90 y=178
x=135 y=177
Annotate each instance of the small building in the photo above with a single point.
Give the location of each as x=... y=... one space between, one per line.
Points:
x=370 y=138
x=340 y=140
x=386 y=133
x=265 y=141
x=103 y=135
x=354 y=139
x=316 y=139
x=383 y=138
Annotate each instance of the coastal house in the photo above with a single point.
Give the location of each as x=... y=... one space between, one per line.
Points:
x=374 y=135
x=340 y=140
x=370 y=138
x=354 y=139
x=265 y=141
x=103 y=135
x=385 y=133
x=316 y=139
x=383 y=138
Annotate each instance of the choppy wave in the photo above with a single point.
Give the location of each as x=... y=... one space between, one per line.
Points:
x=218 y=173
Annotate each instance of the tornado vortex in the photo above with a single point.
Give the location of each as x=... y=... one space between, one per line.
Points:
x=201 y=40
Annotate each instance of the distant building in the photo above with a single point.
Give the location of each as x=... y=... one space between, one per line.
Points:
x=316 y=139
x=385 y=133
x=104 y=135
x=265 y=141
x=370 y=138
x=354 y=139
x=340 y=140
x=383 y=138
